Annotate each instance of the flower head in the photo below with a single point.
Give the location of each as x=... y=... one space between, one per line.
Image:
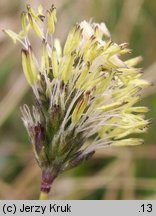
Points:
x=85 y=93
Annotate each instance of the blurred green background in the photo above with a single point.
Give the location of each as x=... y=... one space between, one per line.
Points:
x=116 y=173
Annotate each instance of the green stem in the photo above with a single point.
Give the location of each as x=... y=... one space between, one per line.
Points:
x=43 y=196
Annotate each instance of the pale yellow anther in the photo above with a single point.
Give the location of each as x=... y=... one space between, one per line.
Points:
x=45 y=58
x=57 y=46
x=83 y=75
x=108 y=44
x=104 y=83
x=55 y=63
x=113 y=49
x=116 y=62
x=101 y=30
x=119 y=133
x=93 y=52
x=35 y=26
x=32 y=12
x=87 y=29
x=73 y=40
x=122 y=133
x=137 y=109
x=80 y=107
x=127 y=142
x=134 y=61
x=24 y=22
x=105 y=128
x=140 y=83
x=29 y=67
x=87 y=45
x=51 y=19
x=65 y=69
x=67 y=47
x=111 y=106
x=130 y=90
x=128 y=71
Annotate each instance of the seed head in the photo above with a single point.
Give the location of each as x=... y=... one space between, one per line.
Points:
x=85 y=93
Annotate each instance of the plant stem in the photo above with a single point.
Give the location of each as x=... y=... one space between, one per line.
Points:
x=43 y=196
x=46 y=183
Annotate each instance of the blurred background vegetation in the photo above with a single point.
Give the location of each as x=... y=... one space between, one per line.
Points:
x=116 y=173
